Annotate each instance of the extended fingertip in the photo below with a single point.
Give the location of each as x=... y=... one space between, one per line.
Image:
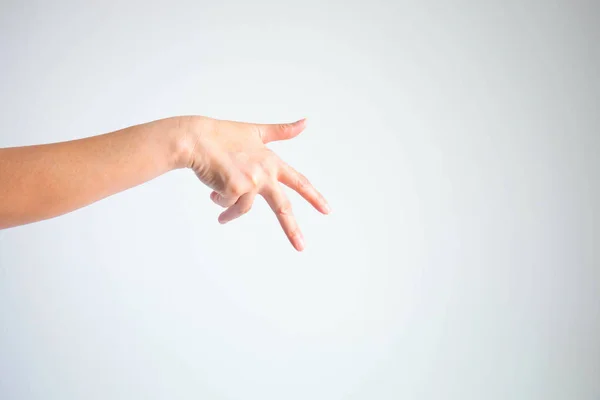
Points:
x=299 y=243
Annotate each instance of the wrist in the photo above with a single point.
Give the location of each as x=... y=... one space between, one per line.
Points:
x=186 y=134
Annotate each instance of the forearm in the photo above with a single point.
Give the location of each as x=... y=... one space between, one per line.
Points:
x=44 y=181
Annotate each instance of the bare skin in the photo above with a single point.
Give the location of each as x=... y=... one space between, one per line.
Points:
x=45 y=181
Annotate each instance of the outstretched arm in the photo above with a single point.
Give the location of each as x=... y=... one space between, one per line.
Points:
x=39 y=182
x=44 y=181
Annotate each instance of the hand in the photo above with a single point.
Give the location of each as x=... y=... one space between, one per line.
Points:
x=232 y=159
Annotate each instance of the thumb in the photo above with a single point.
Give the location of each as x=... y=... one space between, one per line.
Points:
x=273 y=132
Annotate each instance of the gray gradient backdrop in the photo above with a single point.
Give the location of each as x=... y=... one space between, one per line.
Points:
x=457 y=142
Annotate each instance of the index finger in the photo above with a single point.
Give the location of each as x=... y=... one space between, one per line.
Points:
x=298 y=182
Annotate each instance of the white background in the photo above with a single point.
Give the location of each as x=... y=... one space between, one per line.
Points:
x=457 y=143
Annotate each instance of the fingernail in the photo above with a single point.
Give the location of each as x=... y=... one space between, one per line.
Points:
x=301 y=122
x=327 y=208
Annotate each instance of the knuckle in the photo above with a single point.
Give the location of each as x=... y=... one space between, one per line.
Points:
x=284 y=209
x=236 y=188
x=294 y=232
x=302 y=182
x=268 y=156
x=254 y=176
x=273 y=161
x=268 y=164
